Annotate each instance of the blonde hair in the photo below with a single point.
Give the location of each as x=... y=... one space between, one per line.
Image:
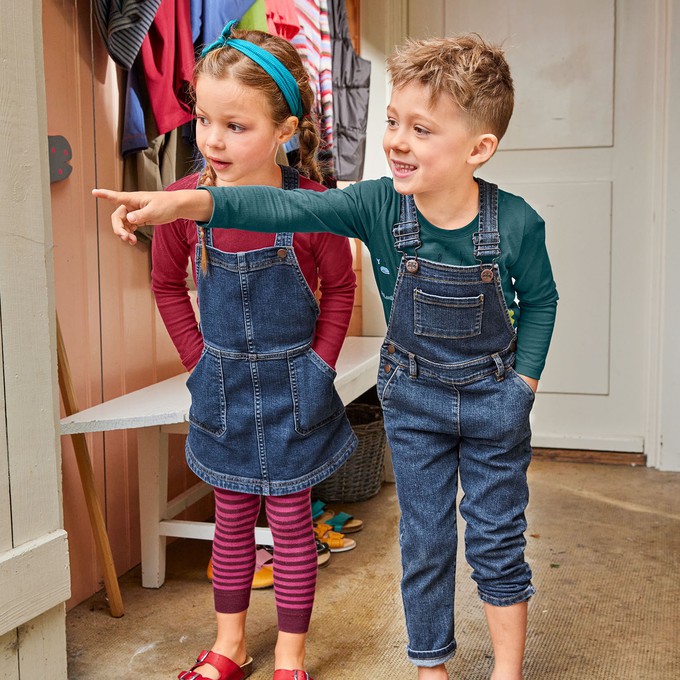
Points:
x=470 y=71
x=227 y=62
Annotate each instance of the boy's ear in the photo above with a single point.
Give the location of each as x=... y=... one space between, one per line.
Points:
x=287 y=129
x=485 y=147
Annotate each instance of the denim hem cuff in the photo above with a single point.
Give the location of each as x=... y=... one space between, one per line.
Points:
x=511 y=599
x=434 y=658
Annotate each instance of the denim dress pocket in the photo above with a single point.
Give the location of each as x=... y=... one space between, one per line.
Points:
x=447 y=317
x=315 y=400
x=208 y=410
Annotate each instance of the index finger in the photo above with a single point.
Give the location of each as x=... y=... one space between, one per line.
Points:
x=107 y=194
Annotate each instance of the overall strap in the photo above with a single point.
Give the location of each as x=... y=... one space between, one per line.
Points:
x=487 y=239
x=283 y=240
x=207 y=235
x=290 y=179
x=406 y=232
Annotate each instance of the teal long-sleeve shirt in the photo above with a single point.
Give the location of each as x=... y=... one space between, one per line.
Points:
x=367 y=210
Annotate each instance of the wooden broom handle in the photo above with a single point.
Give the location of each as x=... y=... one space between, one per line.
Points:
x=101 y=537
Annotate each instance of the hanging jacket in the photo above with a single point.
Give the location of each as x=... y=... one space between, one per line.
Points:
x=123 y=27
x=351 y=82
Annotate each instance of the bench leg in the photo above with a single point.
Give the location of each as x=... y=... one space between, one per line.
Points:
x=152 y=463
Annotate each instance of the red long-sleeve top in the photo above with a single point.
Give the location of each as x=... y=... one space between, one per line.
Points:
x=325 y=261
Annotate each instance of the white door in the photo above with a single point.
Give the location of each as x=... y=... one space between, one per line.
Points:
x=580 y=149
x=34 y=574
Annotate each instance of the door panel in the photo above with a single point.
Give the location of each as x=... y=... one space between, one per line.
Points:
x=581 y=337
x=562 y=59
x=581 y=149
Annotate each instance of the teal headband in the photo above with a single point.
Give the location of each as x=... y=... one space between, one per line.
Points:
x=278 y=72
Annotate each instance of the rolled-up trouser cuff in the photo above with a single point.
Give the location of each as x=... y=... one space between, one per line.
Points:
x=507 y=601
x=433 y=658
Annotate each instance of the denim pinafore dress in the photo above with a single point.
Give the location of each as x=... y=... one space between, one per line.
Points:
x=265 y=417
x=455 y=410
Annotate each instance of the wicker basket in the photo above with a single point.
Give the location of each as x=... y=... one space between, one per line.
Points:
x=360 y=477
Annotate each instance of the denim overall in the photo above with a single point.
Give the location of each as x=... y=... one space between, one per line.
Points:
x=454 y=407
x=265 y=417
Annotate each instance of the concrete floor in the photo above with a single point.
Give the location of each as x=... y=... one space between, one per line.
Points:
x=603 y=542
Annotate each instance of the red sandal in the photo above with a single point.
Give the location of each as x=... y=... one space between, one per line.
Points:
x=291 y=675
x=227 y=669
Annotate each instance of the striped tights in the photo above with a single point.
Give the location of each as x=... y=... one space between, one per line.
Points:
x=233 y=555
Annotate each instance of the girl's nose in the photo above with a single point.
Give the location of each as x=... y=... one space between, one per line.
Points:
x=215 y=139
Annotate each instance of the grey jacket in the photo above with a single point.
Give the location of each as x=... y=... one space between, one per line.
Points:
x=351 y=81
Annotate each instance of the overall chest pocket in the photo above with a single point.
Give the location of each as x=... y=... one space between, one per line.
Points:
x=447 y=317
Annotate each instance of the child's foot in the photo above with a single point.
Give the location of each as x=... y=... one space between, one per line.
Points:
x=434 y=673
x=215 y=666
x=290 y=653
x=282 y=674
x=499 y=675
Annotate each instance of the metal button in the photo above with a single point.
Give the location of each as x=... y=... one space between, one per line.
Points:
x=391 y=349
x=412 y=266
x=388 y=368
x=282 y=252
x=487 y=275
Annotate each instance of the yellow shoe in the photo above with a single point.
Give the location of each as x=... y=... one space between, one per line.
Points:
x=264 y=577
x=264 y=574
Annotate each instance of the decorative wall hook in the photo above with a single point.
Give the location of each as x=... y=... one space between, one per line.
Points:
x=60 y=155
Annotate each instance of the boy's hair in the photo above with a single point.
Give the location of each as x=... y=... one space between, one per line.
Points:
x=227 y=62
x=472 y=72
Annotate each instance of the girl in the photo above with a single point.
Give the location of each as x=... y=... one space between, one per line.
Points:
x=265 y=419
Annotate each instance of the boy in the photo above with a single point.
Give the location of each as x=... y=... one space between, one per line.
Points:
x=456 y=261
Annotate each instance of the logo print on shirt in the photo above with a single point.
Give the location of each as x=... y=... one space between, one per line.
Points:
x=383 y=268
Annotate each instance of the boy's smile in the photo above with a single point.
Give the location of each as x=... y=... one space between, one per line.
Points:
x=431 y=148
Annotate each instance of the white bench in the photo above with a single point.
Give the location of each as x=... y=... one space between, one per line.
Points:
x=162 y=409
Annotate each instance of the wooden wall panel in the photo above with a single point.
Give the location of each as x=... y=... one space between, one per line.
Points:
x=113 y=336
x=30 y=447
x=68 y=94
x=5 y=505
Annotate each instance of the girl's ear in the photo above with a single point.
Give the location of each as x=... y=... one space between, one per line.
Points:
x=287 y=129
x=485 y=147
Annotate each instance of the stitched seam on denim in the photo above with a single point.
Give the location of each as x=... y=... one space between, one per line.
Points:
x=307 y=291
x=259 y=420
x=420 y=302
x=430 y=332
x=389 y=382
x=488 y=222
x=263 y=487
x=397 y=286
x=456 y=275
x=440 y=300
x=413 y=652
x=223 y=405
x=256 y=356
x=436 y=366
x=328 y=369
x=453 y=381
x=305 y=431
x=244 y=264
x=512 y=371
